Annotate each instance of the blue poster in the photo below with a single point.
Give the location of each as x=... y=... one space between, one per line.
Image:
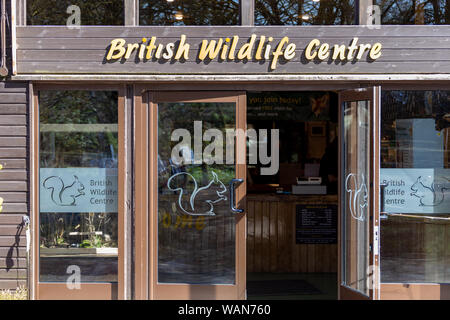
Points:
x=78 y=190
x=416 y=191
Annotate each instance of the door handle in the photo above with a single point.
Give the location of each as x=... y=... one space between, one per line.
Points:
x=383 y=214
x=232 y=192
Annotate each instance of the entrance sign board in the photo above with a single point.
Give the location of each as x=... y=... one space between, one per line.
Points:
x=78 y=190
x=229 y=50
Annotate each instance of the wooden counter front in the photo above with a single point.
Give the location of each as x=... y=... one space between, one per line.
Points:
x=271 y=243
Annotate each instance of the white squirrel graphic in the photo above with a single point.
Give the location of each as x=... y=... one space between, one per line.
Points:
x=61 y=194
x=432 y=195
x=210 y=203
x=356 y=187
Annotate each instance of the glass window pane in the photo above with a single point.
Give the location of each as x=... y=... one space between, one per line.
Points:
x=304 y=12
x=78 y=194
x=414 y=11
x=189 y=12
x=196 y=229
x=415 y=165
x=55 y=12
x=356 y=220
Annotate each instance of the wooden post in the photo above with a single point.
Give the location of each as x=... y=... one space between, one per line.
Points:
x=362 y=16
x=131 y=12
x=247 y=12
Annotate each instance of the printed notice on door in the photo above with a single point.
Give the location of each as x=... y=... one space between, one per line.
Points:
x=416 y=191
x=78 y=189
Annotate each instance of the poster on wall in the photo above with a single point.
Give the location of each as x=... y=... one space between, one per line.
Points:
x=416 y=191
x=316 y=224
x=78 y=190
x=299 y=106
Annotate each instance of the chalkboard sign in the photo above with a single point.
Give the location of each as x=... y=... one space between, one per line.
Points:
x=316 y=224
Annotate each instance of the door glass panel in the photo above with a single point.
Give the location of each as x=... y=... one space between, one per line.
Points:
x=196 y=229
x=356 y=166
x=78 y=223
x=415 y=166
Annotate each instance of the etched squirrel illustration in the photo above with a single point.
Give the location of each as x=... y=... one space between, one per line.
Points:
x=431 y=195
x=214 y=188
x=356 y=187
x=61 y=194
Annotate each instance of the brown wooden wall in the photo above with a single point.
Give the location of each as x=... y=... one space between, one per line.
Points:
x=59 y=50
x=271 y=243
x=13 y=183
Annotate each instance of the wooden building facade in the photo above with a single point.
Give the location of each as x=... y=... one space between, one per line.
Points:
x=44 y=63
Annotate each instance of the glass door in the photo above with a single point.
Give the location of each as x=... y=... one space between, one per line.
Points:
x=359 y=194
x=197 y=195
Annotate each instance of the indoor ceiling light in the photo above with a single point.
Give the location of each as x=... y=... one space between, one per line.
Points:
x=305 y=17
x=179 y=16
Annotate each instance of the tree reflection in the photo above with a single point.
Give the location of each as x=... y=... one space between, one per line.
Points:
x=414 y=11
x=54 y=12
x=304 y=12
x=189 y=12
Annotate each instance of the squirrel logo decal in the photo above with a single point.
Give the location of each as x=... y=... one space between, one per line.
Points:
x=214 y=188
x=61 y=194
x=356 y=187
x=429 y=195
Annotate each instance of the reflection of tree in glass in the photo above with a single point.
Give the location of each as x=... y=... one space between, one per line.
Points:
x=414 y=11
x=78 y=149
x=54 y=12
x=194 y=12
x=304 y=12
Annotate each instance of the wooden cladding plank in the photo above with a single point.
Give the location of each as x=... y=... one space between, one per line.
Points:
x=11 y=230
x=10 y=241
x=15 y=197
x=13 y=252
x=7 y=97
x=13 y=263
x=15 y=208
x=251 y=67
x=221 y=31
x=12 y=141
x=388 y=55
x=12 y=174
x=12 y=284
x=16 y=87
x=6 y=274
x=13 y=119
x=13 y=164
x=13 y=186
x=12 y=108
x=10 y=218
x=13 y=131
x=13 y=152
